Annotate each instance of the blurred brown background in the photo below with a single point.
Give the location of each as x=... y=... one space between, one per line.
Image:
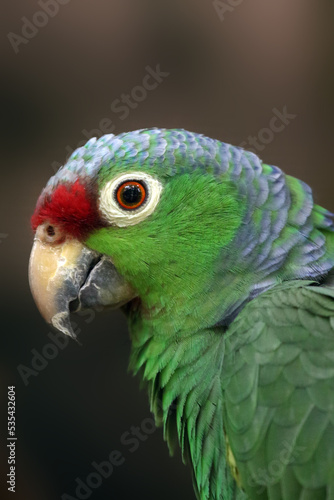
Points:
x=229 y=65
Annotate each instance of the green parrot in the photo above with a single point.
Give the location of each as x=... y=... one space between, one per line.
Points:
x=223 y=267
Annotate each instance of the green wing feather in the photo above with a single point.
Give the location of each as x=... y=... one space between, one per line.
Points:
x=278 y=384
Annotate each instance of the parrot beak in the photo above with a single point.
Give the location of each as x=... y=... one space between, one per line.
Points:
x=68 y=277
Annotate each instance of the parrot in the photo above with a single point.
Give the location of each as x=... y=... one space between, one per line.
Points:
x=223 y=266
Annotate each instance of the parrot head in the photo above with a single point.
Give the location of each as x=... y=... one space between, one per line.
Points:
x=129 y=219
x=172 y=226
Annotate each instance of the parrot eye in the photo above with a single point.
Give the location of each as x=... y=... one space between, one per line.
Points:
x=129 y=198
x=131 y=194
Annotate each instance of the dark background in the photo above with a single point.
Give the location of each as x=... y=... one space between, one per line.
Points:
x=225 y=78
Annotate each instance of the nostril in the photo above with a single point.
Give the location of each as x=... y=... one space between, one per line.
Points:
x=50 y=231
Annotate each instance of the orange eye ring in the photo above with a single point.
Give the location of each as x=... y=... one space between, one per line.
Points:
x=131 y=194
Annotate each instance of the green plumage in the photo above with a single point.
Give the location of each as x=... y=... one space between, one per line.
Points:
x=281 y=426
x=233 y=326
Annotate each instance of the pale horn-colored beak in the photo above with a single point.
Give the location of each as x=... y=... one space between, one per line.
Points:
x=67 y=276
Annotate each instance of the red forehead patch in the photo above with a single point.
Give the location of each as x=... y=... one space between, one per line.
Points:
x=71 y=207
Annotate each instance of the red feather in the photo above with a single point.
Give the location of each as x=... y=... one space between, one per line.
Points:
x=72 y=208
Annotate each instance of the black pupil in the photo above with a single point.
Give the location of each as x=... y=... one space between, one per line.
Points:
x=131 y=195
